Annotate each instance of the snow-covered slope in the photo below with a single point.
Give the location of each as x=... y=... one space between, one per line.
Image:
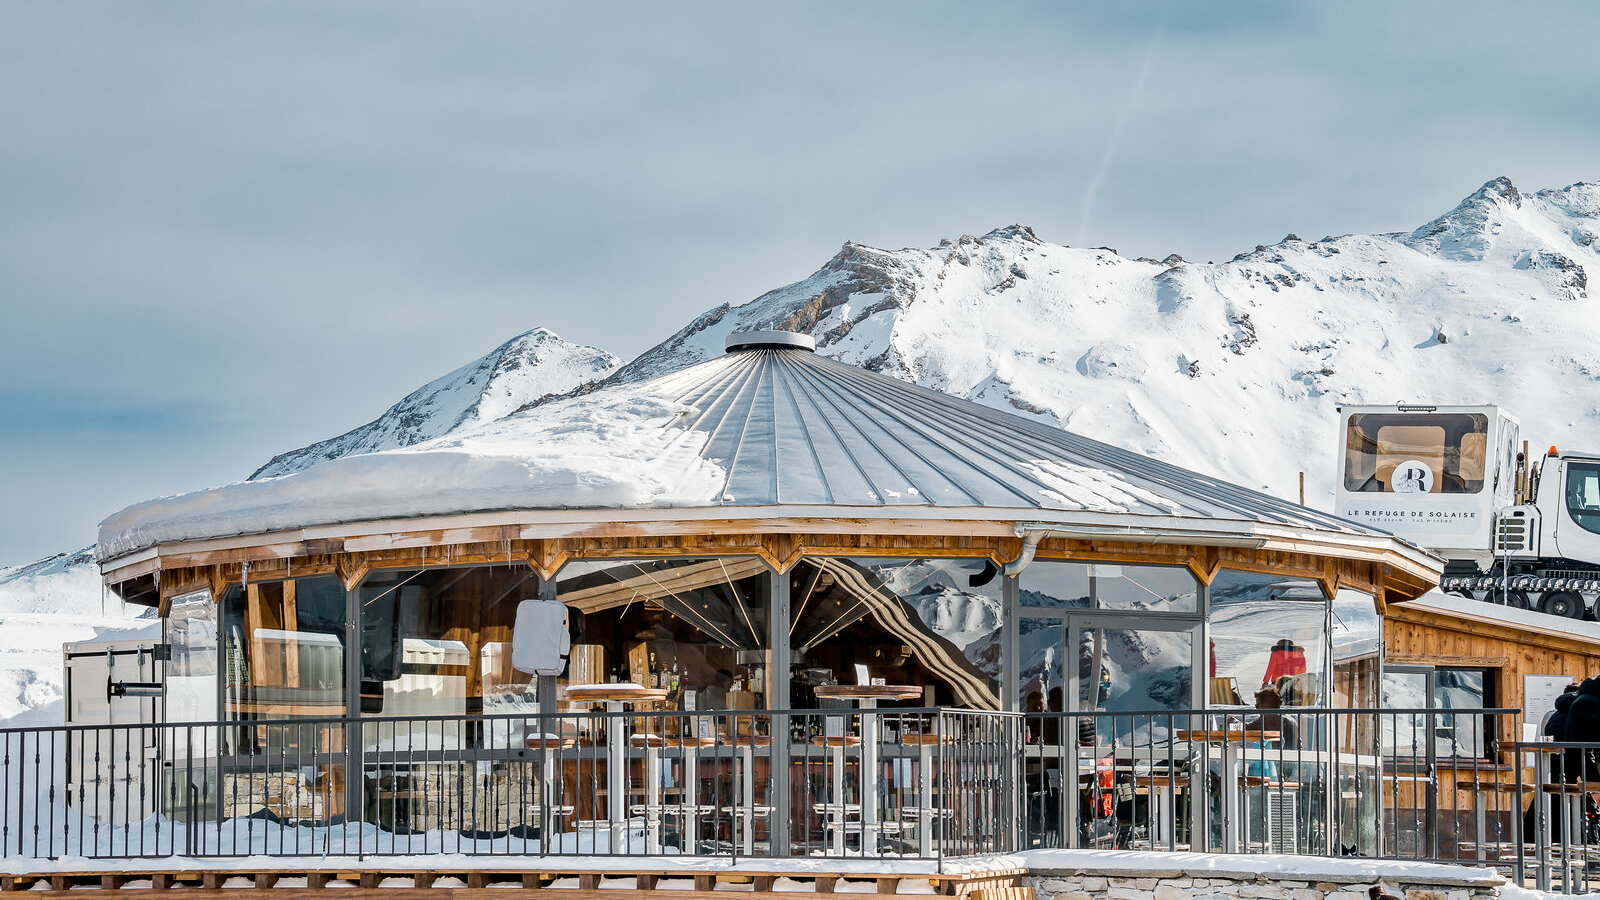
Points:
x=523 y=370
x=42 y=606
x=1232 y=369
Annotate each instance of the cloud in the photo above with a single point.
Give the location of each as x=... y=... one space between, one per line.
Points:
x=289 y=215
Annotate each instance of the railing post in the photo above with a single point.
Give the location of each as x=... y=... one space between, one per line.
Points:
x=1519 y=864
x=778 y=699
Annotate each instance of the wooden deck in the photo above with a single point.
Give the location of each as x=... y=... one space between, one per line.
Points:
x=400 y=883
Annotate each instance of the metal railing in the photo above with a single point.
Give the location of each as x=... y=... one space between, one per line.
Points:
x=921 y=783
x=1417 y=784
x=1559 y=837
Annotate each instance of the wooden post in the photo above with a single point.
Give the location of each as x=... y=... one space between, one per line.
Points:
x=1302 y=489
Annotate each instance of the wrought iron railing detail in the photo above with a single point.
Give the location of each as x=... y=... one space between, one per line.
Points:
x=1417 y=784
x=839 y=782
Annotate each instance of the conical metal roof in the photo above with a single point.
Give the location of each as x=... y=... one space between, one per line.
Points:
x=790 y=427
x=770 y=430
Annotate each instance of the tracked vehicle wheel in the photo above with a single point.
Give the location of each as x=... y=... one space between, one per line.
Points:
x=1562 y=603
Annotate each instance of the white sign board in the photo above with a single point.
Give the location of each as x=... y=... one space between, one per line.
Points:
x=1539 y=693
x=1406 y=516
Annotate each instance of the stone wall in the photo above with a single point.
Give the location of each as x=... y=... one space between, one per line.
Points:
x=1109 y=883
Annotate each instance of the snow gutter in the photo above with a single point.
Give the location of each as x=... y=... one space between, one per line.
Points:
x=1033 y=533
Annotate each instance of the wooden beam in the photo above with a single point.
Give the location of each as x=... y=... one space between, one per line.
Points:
x=1462 y=662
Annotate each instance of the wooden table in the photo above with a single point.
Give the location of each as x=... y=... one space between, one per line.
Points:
x=615 y=697
x=866 y=697
x=1231 y=740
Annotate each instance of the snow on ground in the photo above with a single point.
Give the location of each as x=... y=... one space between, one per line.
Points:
x=42 y=606
x=1110 y=862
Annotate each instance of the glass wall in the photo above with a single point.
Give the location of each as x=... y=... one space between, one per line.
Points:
x=1104 y=586
x=1357 y=650
x=1136 y=628
x=696 y=627
x=928 y=622
x=1269 y=635
x=438 y=641
x=191 y=678
x=283 y=649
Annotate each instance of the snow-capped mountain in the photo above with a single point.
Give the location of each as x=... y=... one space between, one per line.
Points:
x=523 y=370
x=1231 y=368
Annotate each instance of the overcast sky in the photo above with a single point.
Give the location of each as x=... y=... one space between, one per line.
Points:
x=228 y=230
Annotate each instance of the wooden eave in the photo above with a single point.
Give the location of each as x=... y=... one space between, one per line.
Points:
x=1377 y=564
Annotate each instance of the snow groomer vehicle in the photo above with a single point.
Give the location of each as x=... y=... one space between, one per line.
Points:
x=1458 y=481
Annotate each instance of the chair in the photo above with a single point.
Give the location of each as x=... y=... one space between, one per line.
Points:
x=1225 y=692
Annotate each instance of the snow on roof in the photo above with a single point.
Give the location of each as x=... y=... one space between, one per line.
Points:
x=760 y=427
x=1498 y=614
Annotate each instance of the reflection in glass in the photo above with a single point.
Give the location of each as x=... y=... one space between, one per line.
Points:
x=1268 y=634
x=1408 y=734
x=1133 y=670
x=438 y=641
x=1042 y=685
x=284 y=644
x=1053 y=584
x=929 y=622
x=1357 y=649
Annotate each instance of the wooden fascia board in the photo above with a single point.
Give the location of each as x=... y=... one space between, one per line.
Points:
x=1491 y=628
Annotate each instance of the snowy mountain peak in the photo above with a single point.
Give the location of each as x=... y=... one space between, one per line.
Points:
x=1468 y=231
x=523 y=370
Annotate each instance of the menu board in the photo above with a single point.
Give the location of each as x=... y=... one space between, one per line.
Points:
x=1539 y=693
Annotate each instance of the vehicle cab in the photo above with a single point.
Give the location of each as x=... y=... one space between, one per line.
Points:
x=1568 y=502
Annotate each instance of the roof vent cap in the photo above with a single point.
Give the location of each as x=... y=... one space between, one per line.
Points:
x=768 y=340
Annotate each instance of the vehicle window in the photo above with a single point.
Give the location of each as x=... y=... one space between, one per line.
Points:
x=1583 y=495
x=1442 y=453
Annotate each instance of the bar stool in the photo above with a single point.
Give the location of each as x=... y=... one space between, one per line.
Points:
x=747 y=812
x=925 y=814
x=551 y=785
x=866 y=697
x=652 y=809
x=836 y=812
x=616 y=697
x=691 y=809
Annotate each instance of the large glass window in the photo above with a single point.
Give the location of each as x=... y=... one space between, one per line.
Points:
x=1053 y=585
x=284 y=649
x=1357 y=650
x=928 y=622
x=438 y=641
x=1416 y=453
x=1583 y=495
x=1041 y=644
x=1437 y=690
x=696 y=627
x=1268 y=635
x=191 y=692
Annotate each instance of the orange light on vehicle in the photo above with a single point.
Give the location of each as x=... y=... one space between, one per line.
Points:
x=1553 y=451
